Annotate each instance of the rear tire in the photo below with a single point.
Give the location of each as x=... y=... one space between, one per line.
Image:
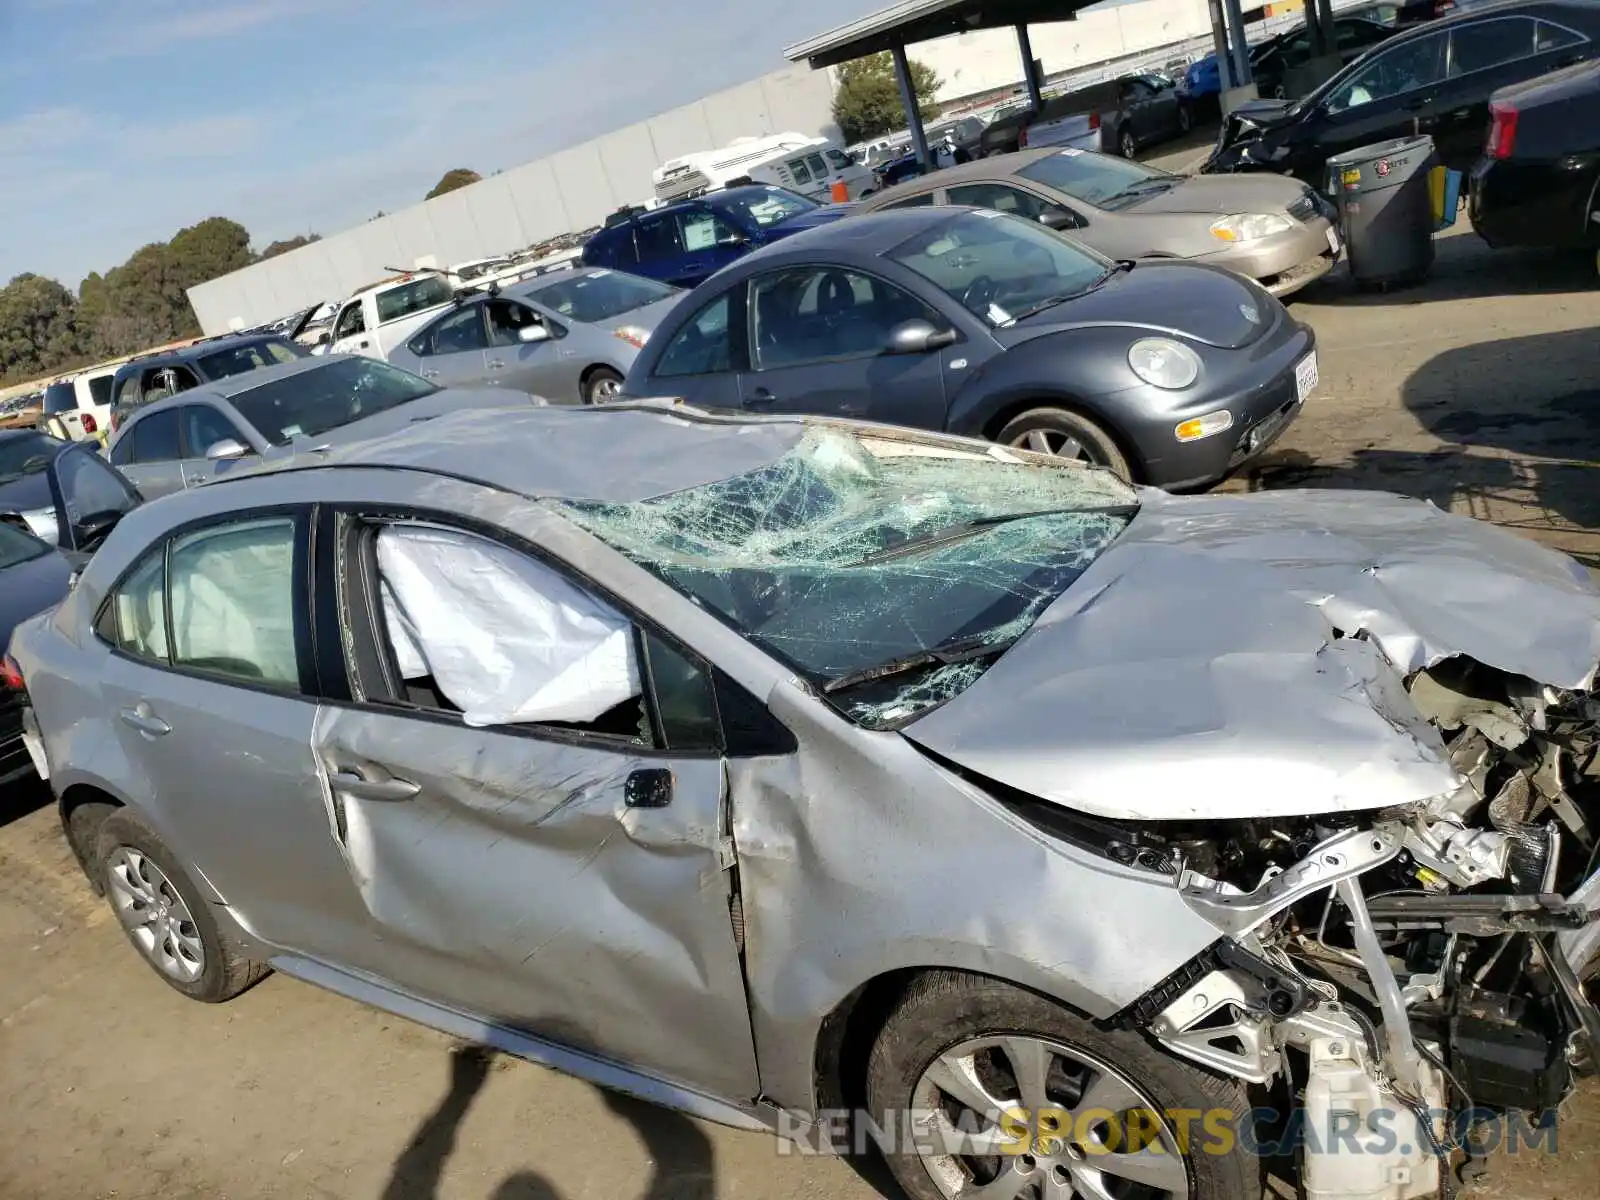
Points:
x=1127 y=146
x=602 y=385
x=1185 y=120
x=1067 y=434
x=165 y=916
x=955 y=1040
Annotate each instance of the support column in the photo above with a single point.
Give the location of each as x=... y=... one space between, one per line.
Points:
x=1030 y=77
x=1219 y=40
x=1239 y=44
x=908 y=97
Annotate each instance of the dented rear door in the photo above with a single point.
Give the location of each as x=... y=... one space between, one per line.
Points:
x=578 y=892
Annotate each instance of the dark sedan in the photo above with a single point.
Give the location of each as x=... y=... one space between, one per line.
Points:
x=1537 y=181
x=976 y=322
x=57 y=502
x=1435 y=79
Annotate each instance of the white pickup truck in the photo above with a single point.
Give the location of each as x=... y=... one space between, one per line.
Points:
x=377 y=319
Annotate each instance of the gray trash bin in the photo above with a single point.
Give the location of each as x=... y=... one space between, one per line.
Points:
x=1385 y=213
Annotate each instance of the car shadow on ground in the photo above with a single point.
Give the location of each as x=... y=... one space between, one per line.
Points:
x=1467 y=268
x=1521 y=419
x=21 y=797
x=680 y=1156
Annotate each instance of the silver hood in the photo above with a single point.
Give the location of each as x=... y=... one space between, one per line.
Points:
x=1237 y=656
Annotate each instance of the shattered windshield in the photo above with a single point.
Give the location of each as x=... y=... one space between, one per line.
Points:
x=891 y=574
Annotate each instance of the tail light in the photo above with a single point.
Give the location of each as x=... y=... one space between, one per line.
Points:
x=1022 y=139
x=89 y=425
x=1502 y=139
x=11 y=675
x=1094 y=121
x=1442 y=7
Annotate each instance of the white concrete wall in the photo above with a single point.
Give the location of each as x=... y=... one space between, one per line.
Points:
x=570 y=190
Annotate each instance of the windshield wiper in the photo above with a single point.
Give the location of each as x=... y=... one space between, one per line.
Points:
x=958 y=651
x=965 y=529
x=1126 y=264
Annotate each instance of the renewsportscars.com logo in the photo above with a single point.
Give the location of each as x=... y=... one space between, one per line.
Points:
x=1263 y=1132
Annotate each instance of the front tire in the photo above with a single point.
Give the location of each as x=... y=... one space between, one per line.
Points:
x=1066 y=434
x=165 y=917
x=602 y=385
x=1185 y=120
x=958 y=1047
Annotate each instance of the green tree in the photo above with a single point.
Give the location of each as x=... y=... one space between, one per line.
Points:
x=867 y=104
x=460 y=177
x=288 y=244
x=38 y=327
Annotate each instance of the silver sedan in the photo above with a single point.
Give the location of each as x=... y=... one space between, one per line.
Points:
x=772 y=768
x=1272 y=229
x=569 y=336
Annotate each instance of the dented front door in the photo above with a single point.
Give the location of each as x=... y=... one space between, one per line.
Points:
x=578 y=892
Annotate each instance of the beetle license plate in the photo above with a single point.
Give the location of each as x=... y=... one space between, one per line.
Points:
x=1333 y=240
x=1305 y=376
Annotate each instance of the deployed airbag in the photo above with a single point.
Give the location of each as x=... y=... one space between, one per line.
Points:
x=505 y=638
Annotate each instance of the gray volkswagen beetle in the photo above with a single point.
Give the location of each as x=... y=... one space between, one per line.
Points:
x=569 y=336
x=777 y=768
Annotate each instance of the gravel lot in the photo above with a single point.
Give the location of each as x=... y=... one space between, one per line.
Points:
x=1480 y=391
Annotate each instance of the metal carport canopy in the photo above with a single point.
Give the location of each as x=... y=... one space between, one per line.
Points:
x=911 y=21
x=914 y=21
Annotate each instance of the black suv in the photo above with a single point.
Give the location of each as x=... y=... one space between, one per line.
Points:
x=149 y=377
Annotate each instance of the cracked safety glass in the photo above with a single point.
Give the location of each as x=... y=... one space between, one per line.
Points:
x=891 y=574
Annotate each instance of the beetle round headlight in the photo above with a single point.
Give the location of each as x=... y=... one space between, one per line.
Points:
x=1164 y=363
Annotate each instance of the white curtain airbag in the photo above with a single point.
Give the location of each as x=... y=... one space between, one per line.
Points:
x=505 y=638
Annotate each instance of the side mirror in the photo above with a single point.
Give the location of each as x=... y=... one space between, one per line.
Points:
x=918 y=337
x=226 y=448
x=533 y=333
x=1057 y=218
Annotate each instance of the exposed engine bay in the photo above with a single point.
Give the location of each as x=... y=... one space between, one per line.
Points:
x=1427 y=958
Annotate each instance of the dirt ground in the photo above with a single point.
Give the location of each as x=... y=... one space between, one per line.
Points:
x=1480 y=391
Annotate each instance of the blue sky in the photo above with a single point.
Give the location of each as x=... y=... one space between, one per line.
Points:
x=123 y=120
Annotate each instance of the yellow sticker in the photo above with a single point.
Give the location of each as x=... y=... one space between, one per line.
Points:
x=1353 y=175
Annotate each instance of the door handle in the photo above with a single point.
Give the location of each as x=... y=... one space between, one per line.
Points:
x=1417 y=103
x=146 y=722
x=430 y=374
x=495 y=364
x=760 y=398
x=363 y=343
x=362 y=788
x=648 y=788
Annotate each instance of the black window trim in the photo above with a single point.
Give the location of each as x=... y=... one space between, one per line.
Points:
x=1390 y=48
x=183 y=429
x=425 y=334
x=130 y=426
x=352 y=519
x=305 y=516
x=824 y=265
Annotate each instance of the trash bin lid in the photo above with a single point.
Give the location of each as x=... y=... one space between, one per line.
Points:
x=1380 y=165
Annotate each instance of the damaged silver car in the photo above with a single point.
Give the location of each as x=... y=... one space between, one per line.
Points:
x=1057 y=832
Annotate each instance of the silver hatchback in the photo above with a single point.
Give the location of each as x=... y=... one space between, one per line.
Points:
x=782 y=769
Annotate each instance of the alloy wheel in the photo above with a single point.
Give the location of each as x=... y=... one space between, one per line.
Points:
x=1054 y=441
x=605 y=388
x=1129 y=146
x=1092 y=1134
x=155 y=915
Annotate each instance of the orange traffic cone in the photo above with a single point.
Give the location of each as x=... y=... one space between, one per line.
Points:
x=840 y=192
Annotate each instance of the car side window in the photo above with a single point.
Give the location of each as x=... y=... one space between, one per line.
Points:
x=203 y=427
x=156 y=438
x=1553 y=37
x=704 y=345
x=135 y=620
x=814 y=314
x=230 y=589
x=923 y=200
x=797 y=168
x=458 y=333
x=126 y=391
x=1484 y=44
x=656 y=237
x=478 y=628
x=1004 y=199
x=702 y=229
x=351 y=322
x=1393 y=72
x=507 y=319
